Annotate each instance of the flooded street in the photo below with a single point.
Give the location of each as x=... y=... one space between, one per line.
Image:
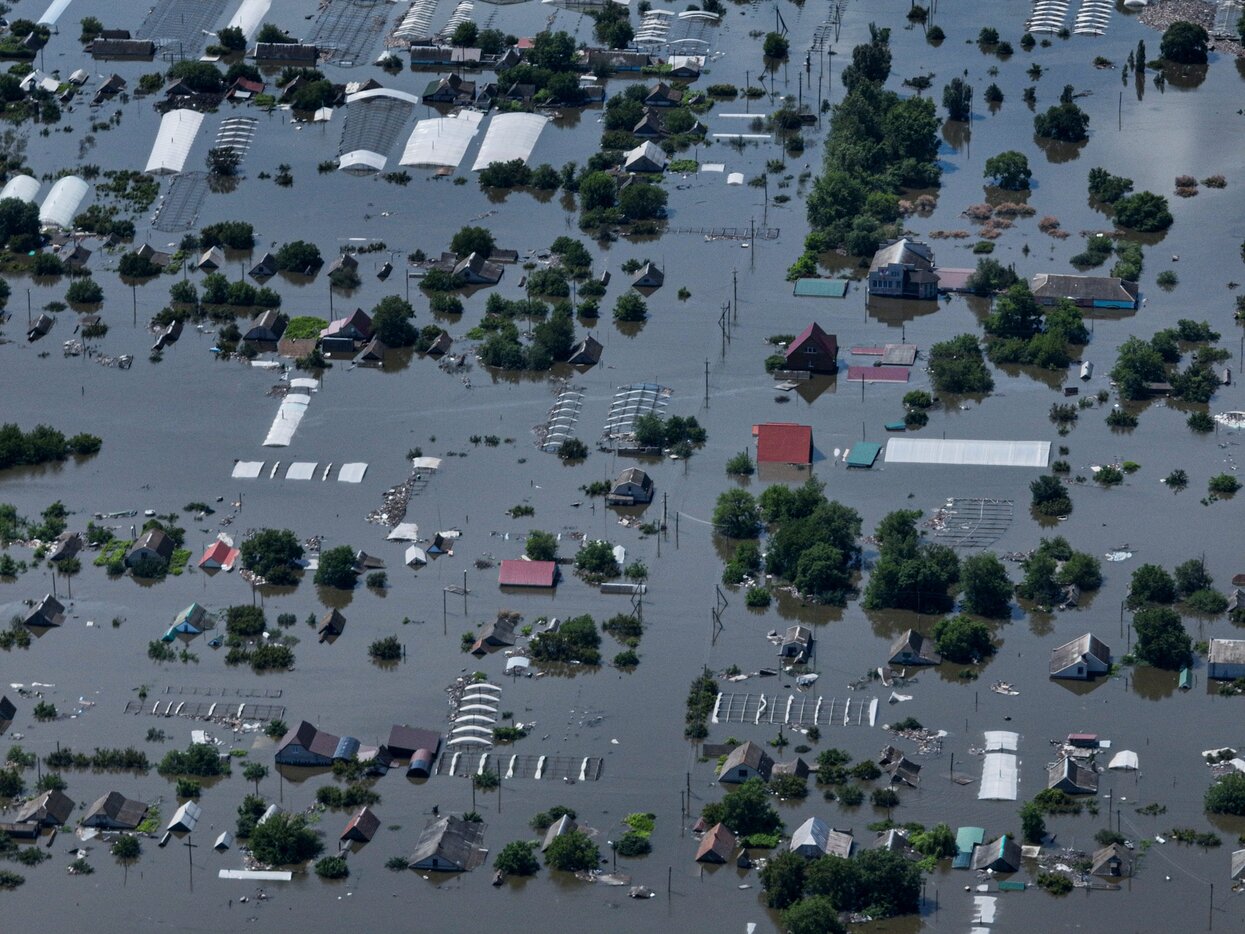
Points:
x=173 y=430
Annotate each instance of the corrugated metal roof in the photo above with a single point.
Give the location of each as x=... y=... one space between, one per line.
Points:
x=863 y=454
x=877 y=374
x=1000 y=777
x=963 y=453
x=519 y=573
x=820 y=288
x=784 y=443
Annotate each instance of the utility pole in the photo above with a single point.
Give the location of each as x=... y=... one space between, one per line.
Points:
x=706 y=382
x=190 y=848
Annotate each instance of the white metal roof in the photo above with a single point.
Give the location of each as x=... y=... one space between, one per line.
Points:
x=176 y=135
x=247 y=470
x=999 y=777
x=415 y=555
x=186 y=816
x=965 y=453
x=63 y=201
x=442 y=141
x=1124 y=759
x=53 y=12
x=404 y=532
x=735 y=178
x=351 y=473
x=21 y=186
x=1001 y=741
x=305 y=382
x=360 y=161
x=250 y=14
x=293 y=408
x=301 y=470
x=509 y=137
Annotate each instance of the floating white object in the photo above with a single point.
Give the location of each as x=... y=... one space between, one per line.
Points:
x=301 y=470
x=351 y=473
x=247 y=470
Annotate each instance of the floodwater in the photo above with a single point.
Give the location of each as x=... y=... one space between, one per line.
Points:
x=173 y=430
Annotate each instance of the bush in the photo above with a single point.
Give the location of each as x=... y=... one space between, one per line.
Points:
x=517 y=859
x=332 y=867
x=388 y=649
x=572 y=852
x=961 y=639
x=758 y=597
x=633 y=844
x=85 y=291
x=1226 y=796
x=337 y=568
x=283 y=840
x=1224 y=484
x=199 y=761
x=740 y=465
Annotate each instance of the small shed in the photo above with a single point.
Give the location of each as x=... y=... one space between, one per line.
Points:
x=185 y=818
x=223 y=842
x=362 y=827
x=8 y=710
x=211 y=259
x=744 y=762
x=374 y=353
x=797 y=643
x=266 y=268
x=586 y=353
x=716 y=846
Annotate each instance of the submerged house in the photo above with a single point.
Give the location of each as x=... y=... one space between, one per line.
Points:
x=496 y=634
x=815 y=838
x=586 y=353
x=1001 y=855
x=332 y=624
x=633 y=487
x=1226 y=659
x=268 y=327
x=114 y=811
x=647 y=157
x=1112 y=862
x=745 y=762
x=1081 y=659
x=185 y=818
x=797 y=643
x=716 y=846
x=362 y=827
x=449 y=844
x=560 y=827
x=784 y=443
x=8 y=710
x=342 y=333
x=515 y=572
x=408 y=742
x=220 y=555
x=154 y=544
x=50 y=809
x=1085 y=291
x=307 y=745
x=903 y=269
x=47 y=613
x=477 y=270
x=1072 y=778
x=649 y=277
x=813 y=351
x=899 y=767
x=912 y=648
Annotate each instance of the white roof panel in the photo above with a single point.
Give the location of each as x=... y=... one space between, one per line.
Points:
x=247 y=470
x=351 y=473
x=404 y=532
x=1000 y=777
x=509 y=137
x=360 y=161
x=301 y=470
x=1124 y=759
x=293 y=408
x=426 y=463
x=53 y=12
x=21 y=186
x=968 y=453
x=63 y=201
x=735 y=178
x=305 y=382
x=250 y=15
x=442 y=141
x=1002 y=741
x=176 y=135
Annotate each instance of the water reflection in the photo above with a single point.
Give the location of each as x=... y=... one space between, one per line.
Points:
x=1058 y=152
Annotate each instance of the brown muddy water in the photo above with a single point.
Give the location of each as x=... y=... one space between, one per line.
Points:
x=172 y=431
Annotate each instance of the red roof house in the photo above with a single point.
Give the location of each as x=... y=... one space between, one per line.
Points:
x=219 y=556
x=784 y=443
x=520 y=573
x=814 y=350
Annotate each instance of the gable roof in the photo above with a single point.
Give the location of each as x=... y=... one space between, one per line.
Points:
x=331 y=623
x=586 y=353
x=1001 y=855
x=362 y=826
x=156 y=540
x=915 y=643
x=750 y=755
x=784 y=443
x=1074 y=777
x=904 y=252
x=1070 y=653
x=716 y=846
x=51 y=807
x=47 y=612
x=826 y=343
x=563 y=825
x=117 y=809
x=515 y=572
x=635 y=475
x=219 y=552
x=311 y=738
x=1104 y=859
x=406 y=740
x=1083 y=288
x=449 y=840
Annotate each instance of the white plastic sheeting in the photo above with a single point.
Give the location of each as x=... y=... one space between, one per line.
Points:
x=351 y=473
x=1125 y=759
x=1002 y=741
x=250 y=15
x=293 y=408
x=301 y=470
x=442 y=141
x=53 y=12
x=426 y=463
x=966 y=453
x=247 y=470
x=361 y=161
x=415 y=557
x=63 y=201
x=404 y=532
x=178 y=129
x=509 y=137
x=1000 y=777
x=21 y=186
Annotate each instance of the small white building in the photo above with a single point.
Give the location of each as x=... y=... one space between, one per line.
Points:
x=1226 y=659
x=1081 y=659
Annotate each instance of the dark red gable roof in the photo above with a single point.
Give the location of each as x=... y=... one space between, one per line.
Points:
x=784 y=443
x=813 y=333
x=519 y=573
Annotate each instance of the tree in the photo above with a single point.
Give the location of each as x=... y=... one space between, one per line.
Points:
x=871 y=61
x=1108 y=188
x=1226 y=796
x=272 y=33
x=938 y=842
x=1009 y=170
x=957 y=365
x=298 y=256
x=1145 y=211
x=630 y=307
x=84 y=292
x=822 y=571
x=1184 y=43
x=1151 y=584
x=283 y=840
x=814 y=915
x=337 y=568
x=1192 y=576
x=1136 y=364
x=1050 y=497
x=541 y=546
x=236 y=235
x=332 y=867
x=957 y=97
x=201 y=77
x=552 y=50
x=990 y=276
x=126 y=848
x=961 y=639
x=470 y=240
x=641 y=201
x=272 y=554
x=745 y=809
x=908 y=574
x=517 y=859
x=232 y=38
x=18 y=219
x=1161 y=638
x=255 y=772
x=597 y=559
x=1032 y=824
x=392 y=327
x=1065 y=123
x=598 y=190
x=783 y=879
x=465 y=34
x=985 y=588
x=776 y=46
x=1039 y=584
x=572 y=852
x=223 y=161
x=735 y=515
